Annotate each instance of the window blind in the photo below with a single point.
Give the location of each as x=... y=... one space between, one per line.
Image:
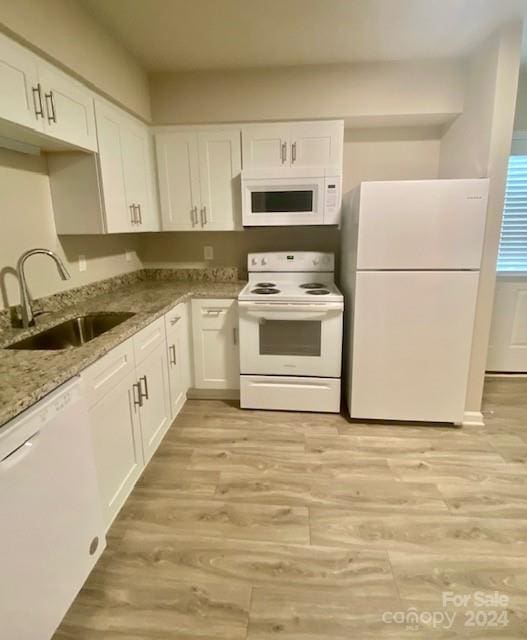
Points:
x=512 y=254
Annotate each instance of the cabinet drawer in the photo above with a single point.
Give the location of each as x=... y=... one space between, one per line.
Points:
x=146 y=340
x=212 y=314
x=108 y=371
x=176 y=316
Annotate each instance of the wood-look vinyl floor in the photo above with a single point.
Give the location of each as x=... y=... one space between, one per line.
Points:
x=254 y=525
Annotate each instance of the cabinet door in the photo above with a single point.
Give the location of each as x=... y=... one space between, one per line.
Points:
x=316 y=144
x=265 y=146
x=177 y=321
x=185 y=340
x=135 y=162
x=152 y=374
x=68 y=108
x=220 y=165
x=119 y=217
x=216 y=359
x=178 y=175
x=175 y=372
x=117 y=445
x=138 y=168
x=19 y=98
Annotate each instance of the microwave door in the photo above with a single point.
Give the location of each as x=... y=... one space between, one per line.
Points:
x=282 y=202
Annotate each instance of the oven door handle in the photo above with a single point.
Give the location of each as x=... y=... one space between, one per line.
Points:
x=293 y=308
x=286 y=315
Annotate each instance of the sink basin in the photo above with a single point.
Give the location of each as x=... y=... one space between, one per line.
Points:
x=72 y=333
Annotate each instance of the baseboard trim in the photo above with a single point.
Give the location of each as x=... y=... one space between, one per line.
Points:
x=473 y=419
x=213 y=394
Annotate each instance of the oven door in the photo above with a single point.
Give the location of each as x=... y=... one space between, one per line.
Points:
x=298 y=339
x=282 y=201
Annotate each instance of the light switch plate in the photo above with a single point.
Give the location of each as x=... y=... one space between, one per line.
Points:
x=208 y=253
x=82 y=263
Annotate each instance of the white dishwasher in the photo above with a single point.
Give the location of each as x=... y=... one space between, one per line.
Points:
x=51 y=530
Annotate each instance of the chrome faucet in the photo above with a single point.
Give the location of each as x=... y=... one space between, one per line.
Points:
x=28 y=317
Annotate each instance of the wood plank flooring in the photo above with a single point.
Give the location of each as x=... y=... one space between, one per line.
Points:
x=254 y=525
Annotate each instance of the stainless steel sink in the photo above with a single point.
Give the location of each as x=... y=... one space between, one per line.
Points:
x=72 y=333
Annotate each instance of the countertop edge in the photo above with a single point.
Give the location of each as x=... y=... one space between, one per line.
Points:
x=10 y=411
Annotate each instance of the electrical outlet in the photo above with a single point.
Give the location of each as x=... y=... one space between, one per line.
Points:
x=82 y=263
x=208 y=253
x=129 y=256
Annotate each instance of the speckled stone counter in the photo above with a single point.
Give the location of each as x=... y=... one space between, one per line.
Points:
x=27 y=376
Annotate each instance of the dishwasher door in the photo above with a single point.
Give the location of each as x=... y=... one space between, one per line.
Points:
x=51 y=530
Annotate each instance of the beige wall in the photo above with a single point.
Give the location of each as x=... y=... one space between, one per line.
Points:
x=390 y=154
x=358 y=93
x=64 y=31
x=520 y=119
x=363 y=94
x=478 y=145
x=26 y=220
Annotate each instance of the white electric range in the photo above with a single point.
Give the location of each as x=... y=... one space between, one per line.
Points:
x=290 y=317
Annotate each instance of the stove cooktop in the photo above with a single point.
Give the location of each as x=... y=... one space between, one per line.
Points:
x=286 y=289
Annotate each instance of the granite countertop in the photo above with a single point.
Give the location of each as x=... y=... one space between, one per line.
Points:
x=27 y=376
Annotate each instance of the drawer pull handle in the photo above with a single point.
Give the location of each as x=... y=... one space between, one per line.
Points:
x=172 y=350
x=139 y=399
x=52 y=117
x=145 y=393
x=37 y=92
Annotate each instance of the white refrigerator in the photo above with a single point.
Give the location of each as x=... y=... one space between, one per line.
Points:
x=411 y=254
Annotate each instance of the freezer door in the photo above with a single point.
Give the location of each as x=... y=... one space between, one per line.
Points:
x=422 y=224
x=412 y=338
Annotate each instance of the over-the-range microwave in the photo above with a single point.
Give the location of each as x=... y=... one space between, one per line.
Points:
x=284 y=197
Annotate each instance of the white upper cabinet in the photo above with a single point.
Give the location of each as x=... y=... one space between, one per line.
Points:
x=178 y=176
x=220 y=163
x=119 y=216
x=199 y=178
x=293 y=144
x=44 y=100
x=68 y=108
x=126 y=171
x=265 y=146
x=20 y=101
x=316 y=144
x=137 y=169
x=113 y=191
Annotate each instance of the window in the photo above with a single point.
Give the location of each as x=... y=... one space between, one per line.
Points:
x=512 y=254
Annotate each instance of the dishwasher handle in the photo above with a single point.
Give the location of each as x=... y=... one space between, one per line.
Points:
x=19 y=452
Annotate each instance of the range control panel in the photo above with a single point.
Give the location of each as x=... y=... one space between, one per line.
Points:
x=291 y=261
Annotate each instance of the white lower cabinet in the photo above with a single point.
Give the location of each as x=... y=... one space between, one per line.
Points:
x=215 y=343
x=116 y=433
x=154 y=406
x=137 y=389
x=127 y=394
x=178 y=355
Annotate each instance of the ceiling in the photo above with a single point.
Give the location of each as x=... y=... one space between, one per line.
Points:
x=176 y=35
